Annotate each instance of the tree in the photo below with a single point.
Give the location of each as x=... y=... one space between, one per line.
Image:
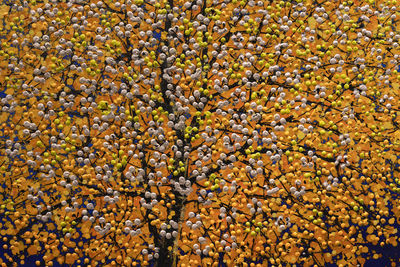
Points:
x=169 y=133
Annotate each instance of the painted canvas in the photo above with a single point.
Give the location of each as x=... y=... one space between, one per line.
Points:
x=199 y=133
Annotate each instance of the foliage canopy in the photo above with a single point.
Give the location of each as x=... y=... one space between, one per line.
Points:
x=166 y=133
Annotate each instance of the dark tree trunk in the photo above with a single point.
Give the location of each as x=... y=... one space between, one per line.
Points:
x=168 y=254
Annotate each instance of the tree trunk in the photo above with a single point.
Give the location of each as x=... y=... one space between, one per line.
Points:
x=168 y=254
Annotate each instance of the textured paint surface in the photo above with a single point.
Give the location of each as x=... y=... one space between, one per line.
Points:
x=199 y=133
